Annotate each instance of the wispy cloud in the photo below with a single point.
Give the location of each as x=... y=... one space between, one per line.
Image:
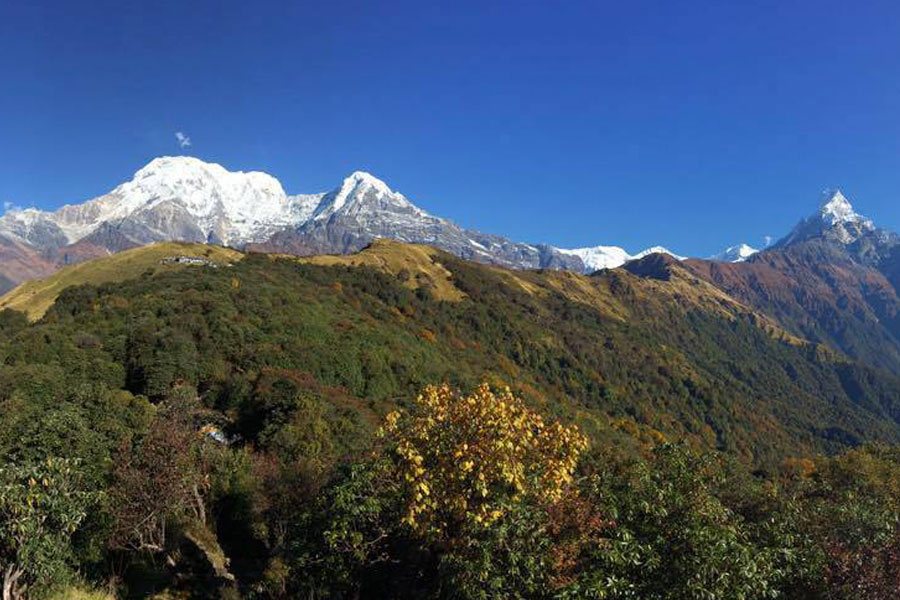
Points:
x=768 y=239
x=183 y=140
x=9 y=205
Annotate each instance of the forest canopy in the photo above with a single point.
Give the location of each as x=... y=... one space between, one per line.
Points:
x=276 y=429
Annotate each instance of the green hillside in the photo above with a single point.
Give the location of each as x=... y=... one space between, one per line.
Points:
x=673 y=358
x=287 y=368
x=34 y=297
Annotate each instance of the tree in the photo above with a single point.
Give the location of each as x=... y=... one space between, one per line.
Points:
x=158 y=481
x=850 y=520
x=674 y=537
x=462 y=458
x=346 y=539
x=41 y=506
x=480 y=477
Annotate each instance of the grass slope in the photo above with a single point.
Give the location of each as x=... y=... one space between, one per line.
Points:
x=416 y=265
x=34 y=297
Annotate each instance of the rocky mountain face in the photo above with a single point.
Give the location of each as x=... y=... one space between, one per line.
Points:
x=19 y=261
x=840 y=227
x=364 y=208
x=186 y=199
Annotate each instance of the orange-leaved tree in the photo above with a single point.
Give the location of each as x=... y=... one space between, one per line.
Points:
x=465 y=459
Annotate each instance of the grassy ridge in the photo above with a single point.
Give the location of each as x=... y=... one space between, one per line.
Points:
x=416 y=265
x=629 y=357
x=36 y=296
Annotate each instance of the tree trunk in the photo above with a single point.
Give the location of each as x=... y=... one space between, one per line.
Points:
x=201 y=509
x=11 y=589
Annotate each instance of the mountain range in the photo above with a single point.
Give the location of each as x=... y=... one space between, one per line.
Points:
x=185 y=199
x=833 y=279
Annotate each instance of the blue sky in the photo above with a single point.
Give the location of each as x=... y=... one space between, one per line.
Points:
x=689 y=124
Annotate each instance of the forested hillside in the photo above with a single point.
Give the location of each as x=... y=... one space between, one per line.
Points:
x=233 y=430
x=822 y=293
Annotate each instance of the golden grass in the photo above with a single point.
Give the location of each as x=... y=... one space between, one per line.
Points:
x=682 y=289
x=36 y=296
x=418 y=261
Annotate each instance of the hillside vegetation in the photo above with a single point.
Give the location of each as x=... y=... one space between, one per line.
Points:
x=413 y=264
x=406 y=424
x=35 y=296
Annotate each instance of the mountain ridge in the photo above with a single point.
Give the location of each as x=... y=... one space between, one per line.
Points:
x=833 y=279
x=187 y=199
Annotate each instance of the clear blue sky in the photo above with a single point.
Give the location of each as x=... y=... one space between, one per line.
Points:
x=689 y=124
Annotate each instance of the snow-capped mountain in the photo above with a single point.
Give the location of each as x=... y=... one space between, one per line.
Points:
x=365 y=196
x=180 y=198
x=184 y=198
x=611 y=257
x=657 y=250
x=600 y=257
x=363 y=208
x=735 y=254
x=836 y=220
x=839 y=227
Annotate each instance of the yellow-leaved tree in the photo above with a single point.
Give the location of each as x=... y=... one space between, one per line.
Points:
x=464 y=459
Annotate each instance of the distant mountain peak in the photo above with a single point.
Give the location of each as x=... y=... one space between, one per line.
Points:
x=358 y=178
x=837 y=209
x=166 y=162
x=657 y=250
x=169 y=170
x=836 y=221
x=361 y=191
x=171 y=197
x=358 y=183
x=597 y=258
x=738 y=253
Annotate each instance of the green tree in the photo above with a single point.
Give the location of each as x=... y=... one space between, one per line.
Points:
x=41 y=506
x=675 y=539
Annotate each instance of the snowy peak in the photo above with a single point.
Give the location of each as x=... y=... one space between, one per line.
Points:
x=198 y=182
x=835 y=221
x=359 y=179
x=187 y=199
x=610 y=257
x=600 y=257
x=356 y=186
x=362 y=192
x=657 y=250
x=235 y=206
x=172 y=197
x=735 y=254
x=837 y=209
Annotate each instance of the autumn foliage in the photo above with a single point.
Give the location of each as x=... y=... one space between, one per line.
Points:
x=462 y=458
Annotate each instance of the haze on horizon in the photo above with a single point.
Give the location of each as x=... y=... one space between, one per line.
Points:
x=591 y=123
